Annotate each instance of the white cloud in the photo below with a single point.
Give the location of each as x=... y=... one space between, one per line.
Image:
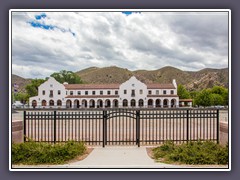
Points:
x=149 y=40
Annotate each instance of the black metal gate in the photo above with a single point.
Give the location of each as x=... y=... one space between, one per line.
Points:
x=121 y=126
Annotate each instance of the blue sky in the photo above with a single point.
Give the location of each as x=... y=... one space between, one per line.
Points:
x=53 y=41
x=40 y=24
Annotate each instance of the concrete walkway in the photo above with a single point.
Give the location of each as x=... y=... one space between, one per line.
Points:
x=119 y=157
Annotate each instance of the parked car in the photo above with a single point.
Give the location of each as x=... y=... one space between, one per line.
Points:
x=17 y=104
x=219 y=107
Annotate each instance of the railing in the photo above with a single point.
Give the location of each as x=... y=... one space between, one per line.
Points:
x=122 y=126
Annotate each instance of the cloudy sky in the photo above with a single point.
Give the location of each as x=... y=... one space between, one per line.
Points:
x=47 y=42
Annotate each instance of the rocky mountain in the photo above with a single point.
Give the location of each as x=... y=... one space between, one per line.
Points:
x=205 y=78
x=198 y=80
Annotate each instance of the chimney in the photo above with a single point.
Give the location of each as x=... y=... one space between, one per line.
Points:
x=174 y=83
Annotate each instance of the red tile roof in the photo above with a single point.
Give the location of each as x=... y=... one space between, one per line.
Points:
x=185 y=100
x=92 y=96
x=165 y=95
x=114 y=86
x=160 y=86
x=91 y=86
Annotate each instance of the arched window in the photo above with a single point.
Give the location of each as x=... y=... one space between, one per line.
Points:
x=76 y=103
x=158 y=103
x=51 y=103
x=140 y=103
x=84 y=103
x=125 y=103
x=133 y=103
x=92 y=103
x=150 y=103
x=173 y=103
x=165 y=103
x=115 y=103
x=107 y=103
x=99 y=103
x=34 y=103
x=59 y=102
x=68 y=103
x=44 y=102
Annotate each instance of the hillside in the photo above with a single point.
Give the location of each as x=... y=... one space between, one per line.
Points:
x=198 y=80
x=21 y=82
x=205 y=78
x=104 y=75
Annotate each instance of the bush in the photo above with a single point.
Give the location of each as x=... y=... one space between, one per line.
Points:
x=45 y=153
x=198 y=152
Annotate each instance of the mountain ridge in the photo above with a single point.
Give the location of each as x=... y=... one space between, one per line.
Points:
x=192 y=80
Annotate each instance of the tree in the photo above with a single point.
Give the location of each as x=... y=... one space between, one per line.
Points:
x=216 y=99
x=182 y=92
x=218 y=90
x=23 y=97
x=32 y=88
x=203 y=98
x=67 y=76
x=223 y=92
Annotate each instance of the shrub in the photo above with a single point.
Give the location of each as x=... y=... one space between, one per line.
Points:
x=45 y=153
x=163 y=150
x=198 y=152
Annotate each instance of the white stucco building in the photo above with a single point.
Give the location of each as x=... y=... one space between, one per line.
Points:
x=132 y=93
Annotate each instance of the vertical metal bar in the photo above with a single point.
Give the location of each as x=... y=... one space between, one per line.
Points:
x=73 y=117
x=93 y=120
x=62 y=118
x=99 y=128
x=113 y=129
x=32 y=115
x=54 y=126
x=24 y=126
x=149 y=120
x=164 y=132
x=103 y=119
x=138 y=127
x=201 y=126
x=82 y=120
x=129 y=131
x=210 y=125
x=123 y=126
x=156 y=125
x=35 y=128
x=38 y=127
x=187 y=126
x=88 y=125
x=218 y=126
x=166 y=124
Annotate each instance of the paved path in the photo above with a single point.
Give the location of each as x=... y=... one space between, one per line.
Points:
x=119 y=157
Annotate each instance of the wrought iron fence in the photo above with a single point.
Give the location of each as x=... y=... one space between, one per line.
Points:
x=121 y=126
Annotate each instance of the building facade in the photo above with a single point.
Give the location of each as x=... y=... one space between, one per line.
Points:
x=130 y=94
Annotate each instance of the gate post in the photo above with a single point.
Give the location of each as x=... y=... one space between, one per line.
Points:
x=138 y=128
x=54 y=126
x=187 y=125
x=24 y=126
x=218 y=124
x=104 y=127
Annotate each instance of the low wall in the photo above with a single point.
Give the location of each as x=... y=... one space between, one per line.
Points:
x=223 y=134
x=17 y=131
